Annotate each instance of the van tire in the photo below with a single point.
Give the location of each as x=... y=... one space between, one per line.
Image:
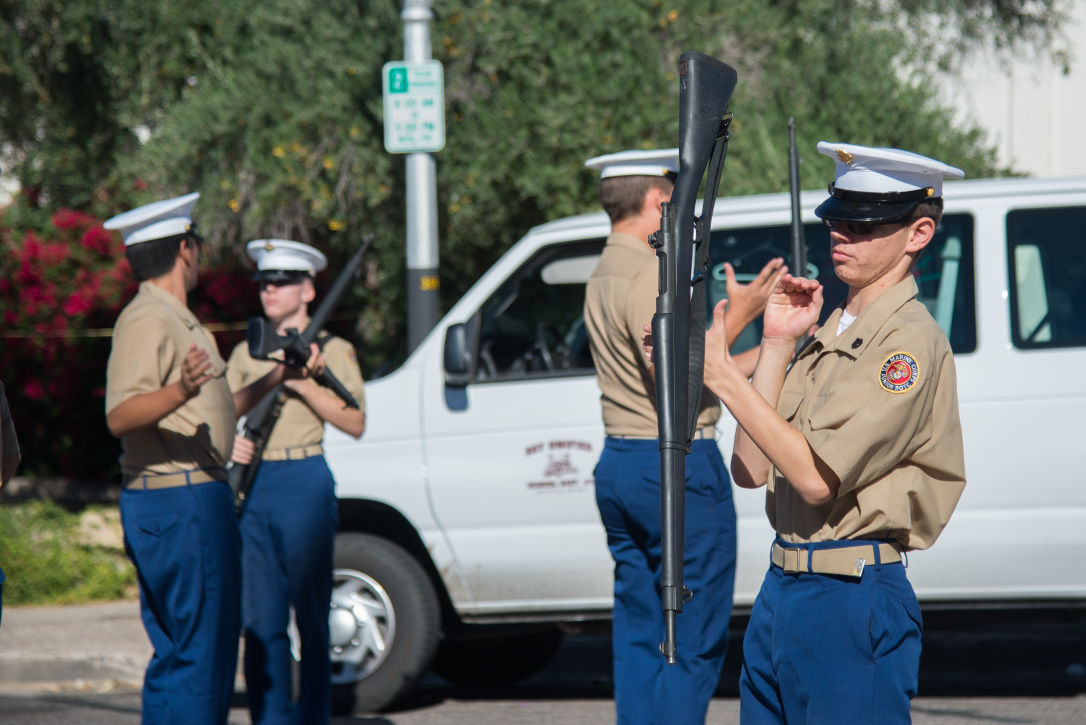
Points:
x=379 y=586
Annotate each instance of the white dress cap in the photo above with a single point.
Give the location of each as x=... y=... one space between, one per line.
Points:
x=157 y=220
x=880 y=170
x=656 y=162
x=283 y=255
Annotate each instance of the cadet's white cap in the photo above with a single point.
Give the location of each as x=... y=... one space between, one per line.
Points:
x=282 y=259
x=880 y=184
x=657 y=162
x=156 y=220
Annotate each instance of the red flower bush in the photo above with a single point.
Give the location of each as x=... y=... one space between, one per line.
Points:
x=61 y=289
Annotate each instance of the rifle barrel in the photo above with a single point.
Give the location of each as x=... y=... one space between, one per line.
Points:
x=799 y=245
x=328 y=305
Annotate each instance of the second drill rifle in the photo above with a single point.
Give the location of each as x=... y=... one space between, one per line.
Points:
x=263 y=341
x=678 y=327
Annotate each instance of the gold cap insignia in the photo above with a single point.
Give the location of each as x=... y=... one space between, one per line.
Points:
x=930 y=191
x=845 y=156
x=268 y=247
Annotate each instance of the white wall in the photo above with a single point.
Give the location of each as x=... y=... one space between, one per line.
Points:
x=1033 y=113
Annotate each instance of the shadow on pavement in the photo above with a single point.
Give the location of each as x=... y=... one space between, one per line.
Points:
x=967 y=653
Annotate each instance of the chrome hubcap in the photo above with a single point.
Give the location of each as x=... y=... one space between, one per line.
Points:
x=362 y=626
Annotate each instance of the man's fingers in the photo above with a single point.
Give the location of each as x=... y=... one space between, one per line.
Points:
x=729 y=274
x=770 y=268
x=719 y=313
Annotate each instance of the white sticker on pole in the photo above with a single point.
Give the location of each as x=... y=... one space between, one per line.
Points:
x=414 y=95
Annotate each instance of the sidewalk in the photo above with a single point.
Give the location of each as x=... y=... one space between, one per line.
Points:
x=89 y=647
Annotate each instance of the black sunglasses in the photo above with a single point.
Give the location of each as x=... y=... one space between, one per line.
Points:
x=859 y=229
x=278 y=282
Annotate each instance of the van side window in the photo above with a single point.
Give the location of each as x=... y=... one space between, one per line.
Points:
x=1047 y=273
x=944 y=273
x=533 y=325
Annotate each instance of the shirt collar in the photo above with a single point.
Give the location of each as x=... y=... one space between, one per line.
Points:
x=860 y=333
x=622 y=239
x=179 y=308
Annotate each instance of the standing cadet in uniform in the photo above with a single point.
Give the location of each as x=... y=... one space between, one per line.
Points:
x=861 y=448
x=9 y=458
x=289 y=522
x=168 y=401
x=620 y=298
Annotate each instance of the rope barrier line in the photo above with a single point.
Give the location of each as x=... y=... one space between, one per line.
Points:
x=108 y=331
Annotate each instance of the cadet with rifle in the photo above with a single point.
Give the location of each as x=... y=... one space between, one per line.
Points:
x=860 y=447
x=619 y=300
x=290 y=515
x=168 y=401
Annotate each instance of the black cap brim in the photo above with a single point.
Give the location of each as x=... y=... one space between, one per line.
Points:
x=863 y=211
x=847 y=205
x=280 y=276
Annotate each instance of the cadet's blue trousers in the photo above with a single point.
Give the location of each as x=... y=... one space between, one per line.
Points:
x=288 y=529
x=831 y=649
x=647 y=689
x=185 y=545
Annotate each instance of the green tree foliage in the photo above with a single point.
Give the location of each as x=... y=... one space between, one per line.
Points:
x=273 y=110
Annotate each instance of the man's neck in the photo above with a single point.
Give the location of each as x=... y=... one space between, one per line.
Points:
x=173 y=282
x=635 y=227
x=860 y=298
x=297 y=320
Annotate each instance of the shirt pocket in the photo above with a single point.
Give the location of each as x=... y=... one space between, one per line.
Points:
x=788 y=405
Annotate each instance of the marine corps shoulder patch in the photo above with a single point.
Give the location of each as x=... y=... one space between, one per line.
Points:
x=899 y=373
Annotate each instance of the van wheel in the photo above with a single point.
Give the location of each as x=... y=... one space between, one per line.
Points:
x=384 y=623
x=496 y=661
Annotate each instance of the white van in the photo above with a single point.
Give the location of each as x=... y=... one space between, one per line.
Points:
x=470 y=499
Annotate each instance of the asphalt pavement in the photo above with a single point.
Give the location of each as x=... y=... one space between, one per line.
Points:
x=61 y=664
x=89 y=647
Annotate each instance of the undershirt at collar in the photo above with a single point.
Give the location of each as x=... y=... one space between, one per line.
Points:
x=845 y=321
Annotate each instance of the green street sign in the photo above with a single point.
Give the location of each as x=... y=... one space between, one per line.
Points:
x=414 y=96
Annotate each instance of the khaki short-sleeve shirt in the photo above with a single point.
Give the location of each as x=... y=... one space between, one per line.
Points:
x=620 y=298
x=879 y=405
x=298 y=425
x=150 y=340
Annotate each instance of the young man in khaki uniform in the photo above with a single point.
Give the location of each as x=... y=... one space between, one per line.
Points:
x=289 y=522
x=168 y=401
x=620 y=299
x=860 y=446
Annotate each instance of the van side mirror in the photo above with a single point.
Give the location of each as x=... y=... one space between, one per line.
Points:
x=457 y=356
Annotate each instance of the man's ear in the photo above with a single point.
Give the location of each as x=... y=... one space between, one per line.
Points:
x=921 y=232
x=187 y=245
x=309 y=292
x=655 y=197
